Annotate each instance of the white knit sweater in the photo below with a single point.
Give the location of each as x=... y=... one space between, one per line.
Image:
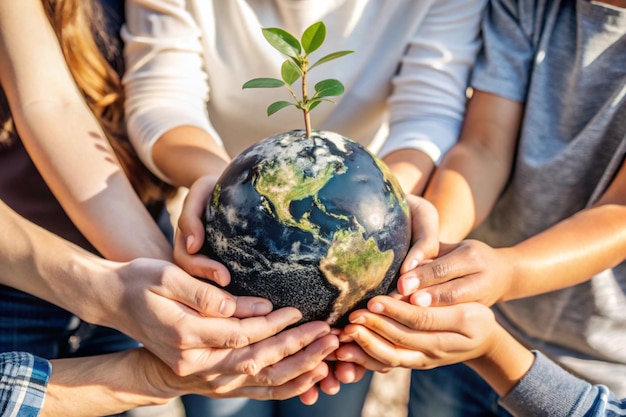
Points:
x=405 y=83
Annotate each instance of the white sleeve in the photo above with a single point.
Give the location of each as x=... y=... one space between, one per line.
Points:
x=428 y=103
x=165 y=81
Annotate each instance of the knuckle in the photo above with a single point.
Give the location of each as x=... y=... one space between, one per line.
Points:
x=423 y=320
x=249 y=367
x=440 y=270
x=207 y=298
x=237 y=340
x=265 y=379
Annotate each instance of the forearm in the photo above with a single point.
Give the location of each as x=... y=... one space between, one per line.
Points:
x=46 y=266
x=411 y=168
x=474 y=172
x=187 y=153
x=65 y=141
x=465 y=188
x=103 y=385
x=557 y=258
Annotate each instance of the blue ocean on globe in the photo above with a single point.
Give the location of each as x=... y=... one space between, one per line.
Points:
x=318 y=223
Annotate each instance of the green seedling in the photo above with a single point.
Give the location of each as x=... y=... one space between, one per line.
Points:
x=296 y=66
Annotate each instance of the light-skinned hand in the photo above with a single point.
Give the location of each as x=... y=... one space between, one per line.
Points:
x=393 y=333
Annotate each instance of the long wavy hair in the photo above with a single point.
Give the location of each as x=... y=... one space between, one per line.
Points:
x=86 y=45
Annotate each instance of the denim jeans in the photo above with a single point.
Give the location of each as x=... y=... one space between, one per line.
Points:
x=347 y=403
x=452 y=391
x=32 y=325
x=29 y=324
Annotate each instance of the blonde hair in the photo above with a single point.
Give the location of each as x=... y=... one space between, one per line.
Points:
x=78 y=25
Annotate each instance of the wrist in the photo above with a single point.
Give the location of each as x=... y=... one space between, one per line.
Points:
x=504 y=363
x=94 y=291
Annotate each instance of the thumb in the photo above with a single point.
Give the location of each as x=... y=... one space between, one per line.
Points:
x=201 y=296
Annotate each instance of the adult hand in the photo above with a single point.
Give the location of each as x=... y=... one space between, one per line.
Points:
x=276 y=369
x=463 y=272
x=182 y=319
x=189 y=235
x=393 y=333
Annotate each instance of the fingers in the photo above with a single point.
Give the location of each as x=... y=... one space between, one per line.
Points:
x=406 y=316
x=330 y=385
x=231 y=333
x=303 y=385
x=189 y=222
x=455 y=261
x=252 y=307
x=199 y=265
x=189 y=236
x=287 y=347
x=362 y=351
x=348 y=372
x=280 y=359
x=424 y=232
x=399 y=334
x=310 y=396
x=204 y=298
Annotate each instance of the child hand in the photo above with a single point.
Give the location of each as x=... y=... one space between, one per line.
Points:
x=394 y=333
x=464 y=272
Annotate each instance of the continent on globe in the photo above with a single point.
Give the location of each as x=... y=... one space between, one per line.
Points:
x=318 y=223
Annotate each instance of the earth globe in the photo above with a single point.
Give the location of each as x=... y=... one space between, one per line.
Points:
x=314 y=221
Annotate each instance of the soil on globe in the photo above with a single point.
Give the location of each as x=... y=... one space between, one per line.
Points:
x=316 y=223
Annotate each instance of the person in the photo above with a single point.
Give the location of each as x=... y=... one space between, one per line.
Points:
x=41 y=263
x=188 y=116
x=528 y=383
x=65 y=160
x=538 y=181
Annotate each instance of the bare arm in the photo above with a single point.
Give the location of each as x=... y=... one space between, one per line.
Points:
x=226 y=356
x=65 y=141
x=550 y=260
x=474 y=172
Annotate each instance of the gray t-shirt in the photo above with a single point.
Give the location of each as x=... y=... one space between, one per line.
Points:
x=566 y=60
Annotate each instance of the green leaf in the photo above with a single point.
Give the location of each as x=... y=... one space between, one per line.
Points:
x=330 y=57
x=283 y=41
x=316 y=101
x=274 y=107
x=313 y=37
x=290 y=72
x=327 y=88
x=263 y=83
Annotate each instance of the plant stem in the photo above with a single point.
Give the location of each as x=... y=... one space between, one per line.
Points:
x=307 y=123
x=305 y=107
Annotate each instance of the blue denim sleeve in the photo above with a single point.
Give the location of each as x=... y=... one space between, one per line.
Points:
x=23 y=381
x=549 y=390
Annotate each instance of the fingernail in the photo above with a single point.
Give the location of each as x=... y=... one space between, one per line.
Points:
x=188 y=242
x=218 y=277
x=424 y=299
x=227 y=308
x=411 y=284
x=261 y=308
x=375 y=307
x=413 y=264
x=358 y=320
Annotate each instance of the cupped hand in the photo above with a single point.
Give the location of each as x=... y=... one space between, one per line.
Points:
x=393 y=333
x=284 y=366
x=463 y=272
x=189 y=236
x=183 y=320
